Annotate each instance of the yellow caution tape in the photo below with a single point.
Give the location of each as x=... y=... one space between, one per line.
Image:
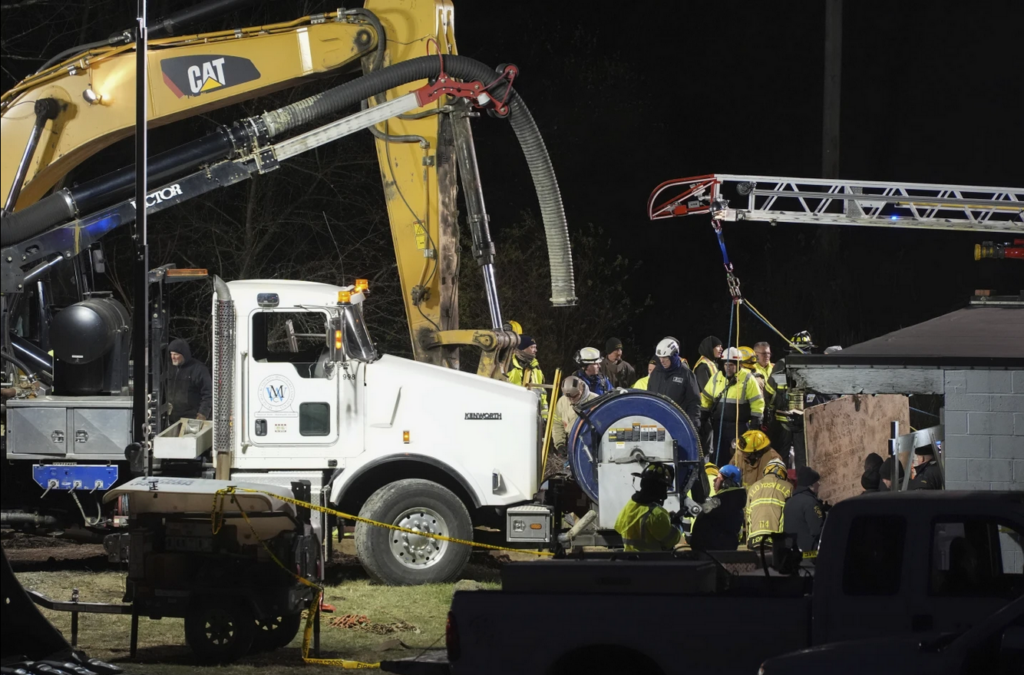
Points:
x=217 y=522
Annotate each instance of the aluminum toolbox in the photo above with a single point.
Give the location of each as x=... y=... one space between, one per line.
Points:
x=66 y=428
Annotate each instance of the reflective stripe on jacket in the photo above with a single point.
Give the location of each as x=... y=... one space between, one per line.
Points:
x=646 y=527
x=742 y=400
x=766 y=503
x=769 y=384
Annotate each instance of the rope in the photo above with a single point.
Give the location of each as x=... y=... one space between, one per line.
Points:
x=923 y=412
x=721 y=421
x=768 y=323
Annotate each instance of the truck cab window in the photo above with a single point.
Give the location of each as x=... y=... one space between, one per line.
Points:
x=298 y=338
x=976 y=557
x=874 y=556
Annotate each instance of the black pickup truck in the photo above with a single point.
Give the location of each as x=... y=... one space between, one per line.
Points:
x=915 y=564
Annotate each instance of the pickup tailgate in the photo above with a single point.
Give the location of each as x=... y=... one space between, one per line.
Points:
x=502 y=633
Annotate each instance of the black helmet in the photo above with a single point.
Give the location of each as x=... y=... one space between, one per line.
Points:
x=658 y=474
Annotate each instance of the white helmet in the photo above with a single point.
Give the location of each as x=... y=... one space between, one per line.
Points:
x=732 y=354
x=666 y=348
x=588 y=356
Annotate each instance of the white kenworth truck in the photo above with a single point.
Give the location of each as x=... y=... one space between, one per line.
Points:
x=300 y=393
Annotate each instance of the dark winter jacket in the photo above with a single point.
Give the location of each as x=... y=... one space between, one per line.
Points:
x=927 y=476
x=189 y=386
x=599 y=384
x=720 y=528
x=707 y=365
x=678 y=383
x=620 y=374
x=803 y=516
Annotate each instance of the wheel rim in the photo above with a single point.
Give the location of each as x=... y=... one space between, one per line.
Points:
x=270 y=625
x=415 y=550
x=219 y=628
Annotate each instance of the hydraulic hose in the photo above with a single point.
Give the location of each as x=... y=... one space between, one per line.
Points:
x=425 y=67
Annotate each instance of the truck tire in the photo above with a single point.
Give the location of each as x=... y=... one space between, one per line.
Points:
x=219 y=630
x=402 y=559
x=275 y=632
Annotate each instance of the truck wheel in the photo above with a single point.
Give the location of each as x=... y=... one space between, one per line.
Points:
x=403 y=559
x=275 y=632
x=220 y=630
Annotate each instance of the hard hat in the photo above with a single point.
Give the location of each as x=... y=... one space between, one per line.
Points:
x=512 y=326
x=749 y=357
x=732 y=354
x=574 y=386
x=731 y=472
x=802 y=340
x=588 y=356
x=753 y=440
x=711 y=469
x=667 y=348
x=777 y=467
x=662 y=474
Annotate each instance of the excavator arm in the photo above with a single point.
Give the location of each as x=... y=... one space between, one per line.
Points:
x=189 y=75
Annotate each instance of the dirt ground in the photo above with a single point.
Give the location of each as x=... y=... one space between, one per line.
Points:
x=370 y=622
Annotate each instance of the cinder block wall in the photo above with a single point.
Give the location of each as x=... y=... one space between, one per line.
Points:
x=984 y=418
x=984 y=448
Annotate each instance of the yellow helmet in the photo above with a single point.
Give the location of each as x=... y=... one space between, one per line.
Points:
x=711 y=469
x=749 y=358
x=752 y=441
x=778 y=468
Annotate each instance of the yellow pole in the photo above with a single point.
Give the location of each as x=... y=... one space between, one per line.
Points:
x=556 y=388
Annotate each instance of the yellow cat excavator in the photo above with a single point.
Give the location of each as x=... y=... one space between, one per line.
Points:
x=83 y=101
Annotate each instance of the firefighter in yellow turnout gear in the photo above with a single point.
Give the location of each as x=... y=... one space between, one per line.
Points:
x=766 y=503
x=643 y=523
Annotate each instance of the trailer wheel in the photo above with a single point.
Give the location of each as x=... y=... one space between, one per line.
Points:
x=406 y=559
x=276 y=632
x=220 y=630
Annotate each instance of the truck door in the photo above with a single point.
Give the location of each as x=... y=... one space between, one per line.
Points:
x=870 y=596
x=292 y=397
x=976 y=567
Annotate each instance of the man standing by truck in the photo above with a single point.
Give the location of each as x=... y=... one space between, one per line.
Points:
x=766 y=503
x=189 y=387
x=526 y=372
x=643 y=523
x=927 y=473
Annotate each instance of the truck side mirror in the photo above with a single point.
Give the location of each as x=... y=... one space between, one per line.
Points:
x=335 y=339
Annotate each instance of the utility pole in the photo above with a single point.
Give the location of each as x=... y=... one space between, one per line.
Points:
x=833 y=87
x=140 y=351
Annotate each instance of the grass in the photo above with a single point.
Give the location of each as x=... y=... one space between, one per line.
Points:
x=162 y=649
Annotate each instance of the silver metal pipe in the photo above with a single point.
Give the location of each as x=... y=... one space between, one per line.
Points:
x=492 y=296
x=22 y=518
x=45 y=109
x=26 y=157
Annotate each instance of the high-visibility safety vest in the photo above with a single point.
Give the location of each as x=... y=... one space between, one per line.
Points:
x=769 y=384
x=711 y=365
x=646 y=527
x=766 y=503
x=742 y=400
x=641 y=383
x=527 y=374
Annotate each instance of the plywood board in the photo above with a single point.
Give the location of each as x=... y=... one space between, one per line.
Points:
x=841 y=433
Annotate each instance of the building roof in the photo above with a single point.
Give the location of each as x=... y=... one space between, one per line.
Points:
x=987 y=333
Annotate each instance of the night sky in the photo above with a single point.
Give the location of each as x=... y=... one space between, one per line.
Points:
x=628 y=95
